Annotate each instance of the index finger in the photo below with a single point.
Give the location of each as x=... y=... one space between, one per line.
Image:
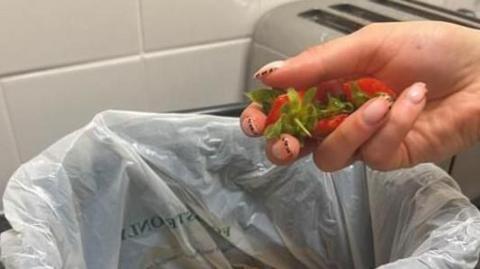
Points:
x=347 y=56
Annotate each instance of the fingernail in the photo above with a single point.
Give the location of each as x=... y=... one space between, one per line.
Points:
x=377 y=109
x=416 y=93
x=249 y=127
x=282 y=149
x=268 y=69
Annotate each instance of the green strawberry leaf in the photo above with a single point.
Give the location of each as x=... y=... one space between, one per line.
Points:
x=348 y=108
x=299 y=114
x=310 y=116
x=276 y=129
x=309 y=96
x=358 y=96
x=264 y=97
x=260 y=95
x=294 y=102
x=334 y=107
x=302 y=127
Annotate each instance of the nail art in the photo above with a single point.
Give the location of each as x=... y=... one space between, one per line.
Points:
x=250 y=127
x=282 y=149
x=287 y=147
x=389 y=99
x=268 y=69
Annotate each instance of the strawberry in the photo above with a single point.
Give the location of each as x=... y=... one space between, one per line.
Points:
x=265 y=97
x=328 y=89
x=324 y=127
x=295 y=112
x=314 y=113
x=359 y=91
x=297 y=117
x=275 y=111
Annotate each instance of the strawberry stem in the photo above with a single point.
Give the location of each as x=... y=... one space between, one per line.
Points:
x=302 y=127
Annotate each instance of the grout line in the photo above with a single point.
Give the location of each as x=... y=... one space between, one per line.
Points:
x=116 y=59
x=199 y=46
x=247 y=76
x=72 y=64
x=10 y=128
x=141 y=32
x=143 y=64
x=68 y=67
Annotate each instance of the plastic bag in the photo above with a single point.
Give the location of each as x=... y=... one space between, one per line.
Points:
x=134 y=190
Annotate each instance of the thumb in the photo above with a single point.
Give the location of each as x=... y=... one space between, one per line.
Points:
x=344 y=57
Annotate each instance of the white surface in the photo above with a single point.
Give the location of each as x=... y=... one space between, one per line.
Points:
x=40 y=34
x=196 y=77
x=46 y=106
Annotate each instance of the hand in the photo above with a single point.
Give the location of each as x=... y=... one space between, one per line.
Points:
x=421 y=126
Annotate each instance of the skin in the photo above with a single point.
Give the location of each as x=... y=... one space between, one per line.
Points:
x=444 y=57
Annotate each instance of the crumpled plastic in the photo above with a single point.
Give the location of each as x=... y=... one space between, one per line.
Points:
x=138 y=190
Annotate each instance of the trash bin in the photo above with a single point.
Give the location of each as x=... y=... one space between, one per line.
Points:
x=137 y=190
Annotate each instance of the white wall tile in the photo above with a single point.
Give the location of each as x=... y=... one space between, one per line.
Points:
x=197 y=76
x=170 y=24
x=39 y=34
x=48 y=105
x=9 y=160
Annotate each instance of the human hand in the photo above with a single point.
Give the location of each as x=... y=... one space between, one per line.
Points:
x=421 y=127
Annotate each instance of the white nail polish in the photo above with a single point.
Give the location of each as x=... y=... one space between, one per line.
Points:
x=417 y=92
x=376 y=110
x=282 y=150
x=268 y=69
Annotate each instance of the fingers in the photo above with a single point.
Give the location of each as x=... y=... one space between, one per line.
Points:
x=339 y=148
x=343 y=57
x=284 y=150
x=252 y=120
x=378 y=138
x=386 y=149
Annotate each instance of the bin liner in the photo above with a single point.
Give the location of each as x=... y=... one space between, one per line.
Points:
x=140 y=190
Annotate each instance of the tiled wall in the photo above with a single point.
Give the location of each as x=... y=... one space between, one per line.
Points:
x=63 y=61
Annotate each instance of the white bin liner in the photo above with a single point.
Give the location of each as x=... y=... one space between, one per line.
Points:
x=137 y=190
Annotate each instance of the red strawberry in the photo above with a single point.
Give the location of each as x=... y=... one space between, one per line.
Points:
x=373 y=86
x=324 y=127
x=316 y=112
x=276 y=109
x=361 y=90
x=292 y=113
x=326 y=89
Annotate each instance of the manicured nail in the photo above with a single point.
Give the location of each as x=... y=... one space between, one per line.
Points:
x=249 y=127
x=285 y=148
x=268 y=69
x=377 y=109
x=417 y=92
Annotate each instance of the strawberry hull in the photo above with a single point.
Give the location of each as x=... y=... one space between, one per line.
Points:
x=313 y=113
